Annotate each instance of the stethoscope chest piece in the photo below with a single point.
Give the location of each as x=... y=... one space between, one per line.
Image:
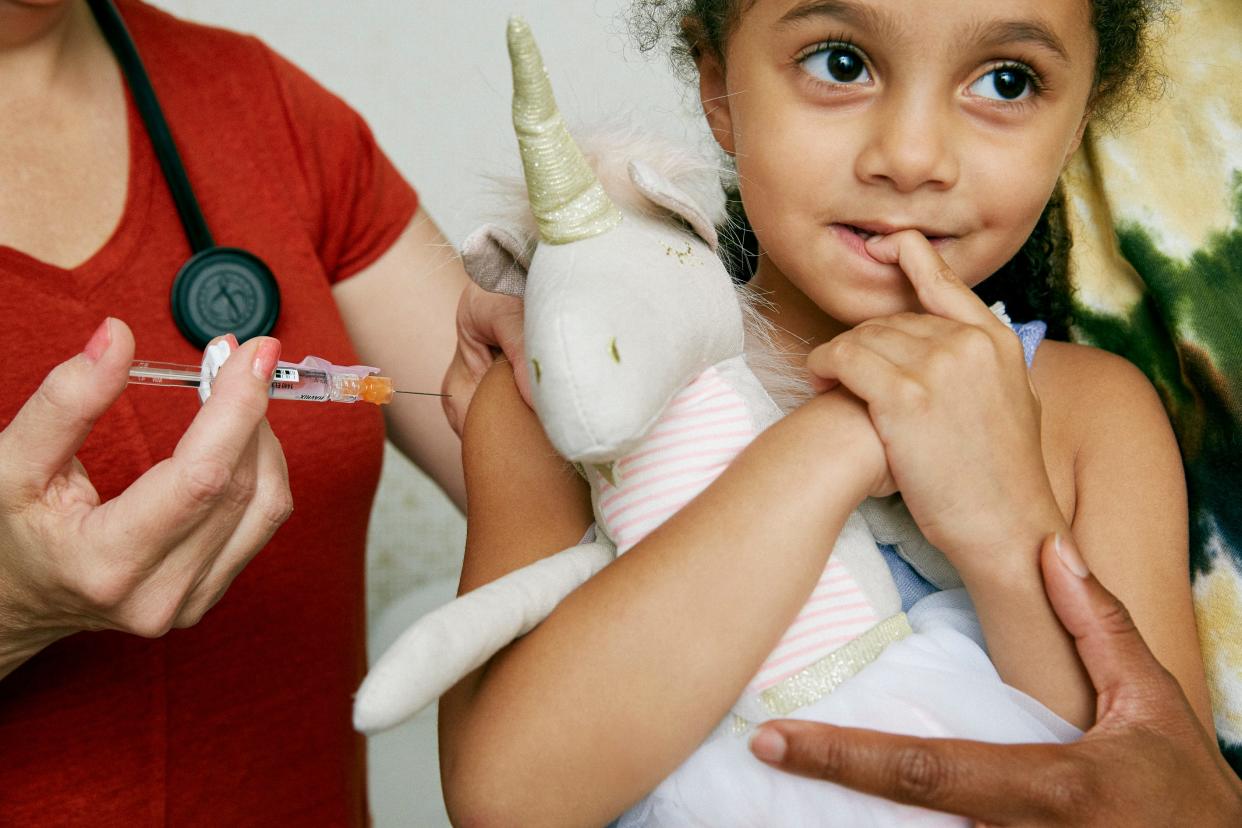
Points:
x=224 y=290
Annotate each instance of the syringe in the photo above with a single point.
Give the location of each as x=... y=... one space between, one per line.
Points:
x=313 y=379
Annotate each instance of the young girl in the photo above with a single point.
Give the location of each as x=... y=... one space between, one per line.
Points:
x=889 y=156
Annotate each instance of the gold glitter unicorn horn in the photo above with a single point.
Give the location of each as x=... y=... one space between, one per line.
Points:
x=567 y=199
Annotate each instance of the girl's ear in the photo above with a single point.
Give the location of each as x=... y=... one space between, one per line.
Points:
x=713 y=94
x=1077 y=142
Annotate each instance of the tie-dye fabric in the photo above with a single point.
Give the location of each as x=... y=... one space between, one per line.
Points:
x=1156 y=216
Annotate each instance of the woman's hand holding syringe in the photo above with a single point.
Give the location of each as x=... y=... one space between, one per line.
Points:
x=161 y=553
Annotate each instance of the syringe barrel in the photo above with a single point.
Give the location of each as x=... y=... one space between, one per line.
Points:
x=309 y=384
x=297 y=382
x=166 y=374
x=313 y=380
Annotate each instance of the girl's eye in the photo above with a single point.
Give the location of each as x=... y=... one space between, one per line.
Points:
x=1005 y=83
x=837 y=63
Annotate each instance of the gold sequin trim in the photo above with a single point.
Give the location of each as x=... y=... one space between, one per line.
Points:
x=831 y=671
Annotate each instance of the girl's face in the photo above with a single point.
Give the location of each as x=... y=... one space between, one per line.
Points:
x=856 y=117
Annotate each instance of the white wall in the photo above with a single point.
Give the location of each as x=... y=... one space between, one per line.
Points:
x=432 y=79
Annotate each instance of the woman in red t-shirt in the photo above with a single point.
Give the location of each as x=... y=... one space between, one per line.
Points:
x=130 y=513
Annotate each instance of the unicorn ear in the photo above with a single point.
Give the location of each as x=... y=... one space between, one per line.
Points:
x=664 y=193
x=497 y=259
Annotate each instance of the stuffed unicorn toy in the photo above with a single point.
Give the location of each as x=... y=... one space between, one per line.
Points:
x=636 y=337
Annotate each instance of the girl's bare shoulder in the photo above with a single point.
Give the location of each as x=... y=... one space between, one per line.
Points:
x=1089 y=388
x=1100 y=416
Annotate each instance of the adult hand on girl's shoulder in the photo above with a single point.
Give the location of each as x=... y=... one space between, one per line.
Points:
x=1147 y=760
x=486 y=322
x=951 y=399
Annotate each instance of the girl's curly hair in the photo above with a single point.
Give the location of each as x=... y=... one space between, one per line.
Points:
x=1035 y=283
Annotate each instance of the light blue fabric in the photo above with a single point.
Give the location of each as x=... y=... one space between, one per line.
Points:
x=912 y=586
x=1031 y=334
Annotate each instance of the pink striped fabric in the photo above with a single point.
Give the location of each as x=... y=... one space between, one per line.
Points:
x=836 y=613
x=703 y=429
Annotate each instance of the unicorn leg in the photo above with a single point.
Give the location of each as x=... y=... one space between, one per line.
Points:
x=446 y=644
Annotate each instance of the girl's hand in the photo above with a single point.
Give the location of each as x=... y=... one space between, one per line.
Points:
x=949 y=394
x=845 y=414
x=161 y=553
x=486 y=322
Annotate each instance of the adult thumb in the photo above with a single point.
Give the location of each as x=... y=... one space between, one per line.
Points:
x=514 y=347
x=1110 y=646
x=502 y=325
x=50 y=428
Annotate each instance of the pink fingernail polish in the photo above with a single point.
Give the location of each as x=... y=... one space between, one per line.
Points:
x=1069 y=556
x=265 y=359
x=99 y=341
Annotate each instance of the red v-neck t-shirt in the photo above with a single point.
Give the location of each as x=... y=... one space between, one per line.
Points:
x=245 y=718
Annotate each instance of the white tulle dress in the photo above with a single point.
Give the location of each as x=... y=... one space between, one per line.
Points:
x=937 y=681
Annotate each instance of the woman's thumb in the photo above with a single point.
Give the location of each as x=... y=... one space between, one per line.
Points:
x=50 y=428
x=1110 y=646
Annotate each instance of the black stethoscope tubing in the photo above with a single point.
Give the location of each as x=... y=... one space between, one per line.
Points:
x=252 y=296
x=118 y=37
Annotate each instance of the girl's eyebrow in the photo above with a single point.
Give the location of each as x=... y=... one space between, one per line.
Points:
x=1035 y=32
x=876 y=21
x=855 y=14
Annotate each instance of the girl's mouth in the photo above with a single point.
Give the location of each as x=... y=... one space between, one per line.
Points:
x=866 y=233
x=855 y=237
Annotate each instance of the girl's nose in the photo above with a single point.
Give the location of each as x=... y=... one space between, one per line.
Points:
x=910 y=147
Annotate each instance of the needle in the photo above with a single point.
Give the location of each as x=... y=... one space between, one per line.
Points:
x=422 y=393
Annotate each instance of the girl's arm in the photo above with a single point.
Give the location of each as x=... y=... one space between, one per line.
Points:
x=1115 y=466
x=991 y=461
x=593 y=708
x=1130 y=515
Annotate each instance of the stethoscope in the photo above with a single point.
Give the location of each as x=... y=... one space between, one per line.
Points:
x=218 y=290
